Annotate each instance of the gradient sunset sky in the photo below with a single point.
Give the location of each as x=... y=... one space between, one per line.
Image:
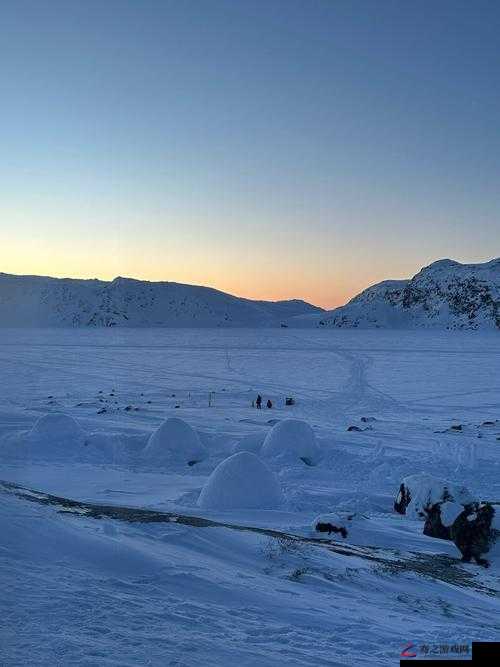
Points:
x=271 y=149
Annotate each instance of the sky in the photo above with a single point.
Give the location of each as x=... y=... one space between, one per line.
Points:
x=268 y=148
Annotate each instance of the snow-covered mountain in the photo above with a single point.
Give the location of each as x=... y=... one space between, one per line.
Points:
x=54 y=302
x=445 y=295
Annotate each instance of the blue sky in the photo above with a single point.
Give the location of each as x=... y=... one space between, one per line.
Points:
x=272 y=149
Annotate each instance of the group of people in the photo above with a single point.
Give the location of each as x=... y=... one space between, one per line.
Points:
x=258 y=403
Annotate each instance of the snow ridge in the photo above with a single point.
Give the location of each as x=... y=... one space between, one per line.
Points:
x=443 y=295
x=35 y=301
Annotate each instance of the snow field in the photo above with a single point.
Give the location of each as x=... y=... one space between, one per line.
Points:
x=98 y=591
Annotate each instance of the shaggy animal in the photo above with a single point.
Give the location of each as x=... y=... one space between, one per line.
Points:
x=330 y=528
x=473 y=533
x=434 y=526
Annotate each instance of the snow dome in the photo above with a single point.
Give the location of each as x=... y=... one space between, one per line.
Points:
x=242 y=481
x=56 y=434
x=175 y=442
x=290 y=441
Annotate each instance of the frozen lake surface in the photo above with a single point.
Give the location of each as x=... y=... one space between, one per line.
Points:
x=103 y=592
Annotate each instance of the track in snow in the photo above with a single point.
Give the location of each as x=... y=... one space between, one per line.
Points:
x=439 y=567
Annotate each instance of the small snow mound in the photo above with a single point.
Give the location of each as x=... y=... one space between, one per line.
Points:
x=290 y=441
x=56 y=434
x=330 y=523
x=250 y=443
x=449 y=512
x=242 y=481
x=174 y=442
x=424 y=491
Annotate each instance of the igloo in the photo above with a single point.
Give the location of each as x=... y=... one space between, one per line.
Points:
x=250 y=443
x=242 y=481
x=290 y=441
x=56 y=434
x=174 y=443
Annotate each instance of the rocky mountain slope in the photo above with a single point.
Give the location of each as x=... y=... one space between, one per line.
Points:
x=444 y=295
x=53 y=302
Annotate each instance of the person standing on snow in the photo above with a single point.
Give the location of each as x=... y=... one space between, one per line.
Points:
x=258 y=402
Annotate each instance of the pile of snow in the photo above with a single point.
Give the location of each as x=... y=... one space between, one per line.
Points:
x=250 y=443
x=174 y=443
x=56 y=435
x=449 y=512
x=423 y=491
x=290 y=441
x=242 y=481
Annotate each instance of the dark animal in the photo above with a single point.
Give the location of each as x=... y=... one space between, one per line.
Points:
x=433 y=526
x=472 y=532
x=330 y=528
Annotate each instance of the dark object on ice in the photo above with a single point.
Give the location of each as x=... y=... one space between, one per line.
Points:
x=473 y=533
x=330 y=528
x=283 y=325
x=433 y=526
x=258 y=402
x=269 y=404
x=289 y=400
x=456 y=427
x=306 y=460
x=354 y=428
x=488 y=423
x=403 y=499
x=129 y=408
x=101 y=411
x=177 y=406
x=172 y=396
x=149 y=402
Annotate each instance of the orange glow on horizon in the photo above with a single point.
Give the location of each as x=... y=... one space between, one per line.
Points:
x=327 y=299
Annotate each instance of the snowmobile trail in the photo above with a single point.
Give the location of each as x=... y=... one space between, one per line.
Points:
x=438 y=567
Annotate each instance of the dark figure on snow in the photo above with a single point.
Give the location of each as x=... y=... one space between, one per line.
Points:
x=258 y=402
x=269 y=403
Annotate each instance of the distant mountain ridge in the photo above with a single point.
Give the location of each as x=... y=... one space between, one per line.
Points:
x=37 y=301
x=443 y=295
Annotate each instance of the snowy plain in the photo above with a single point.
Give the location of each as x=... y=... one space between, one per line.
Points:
x=85 y=591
